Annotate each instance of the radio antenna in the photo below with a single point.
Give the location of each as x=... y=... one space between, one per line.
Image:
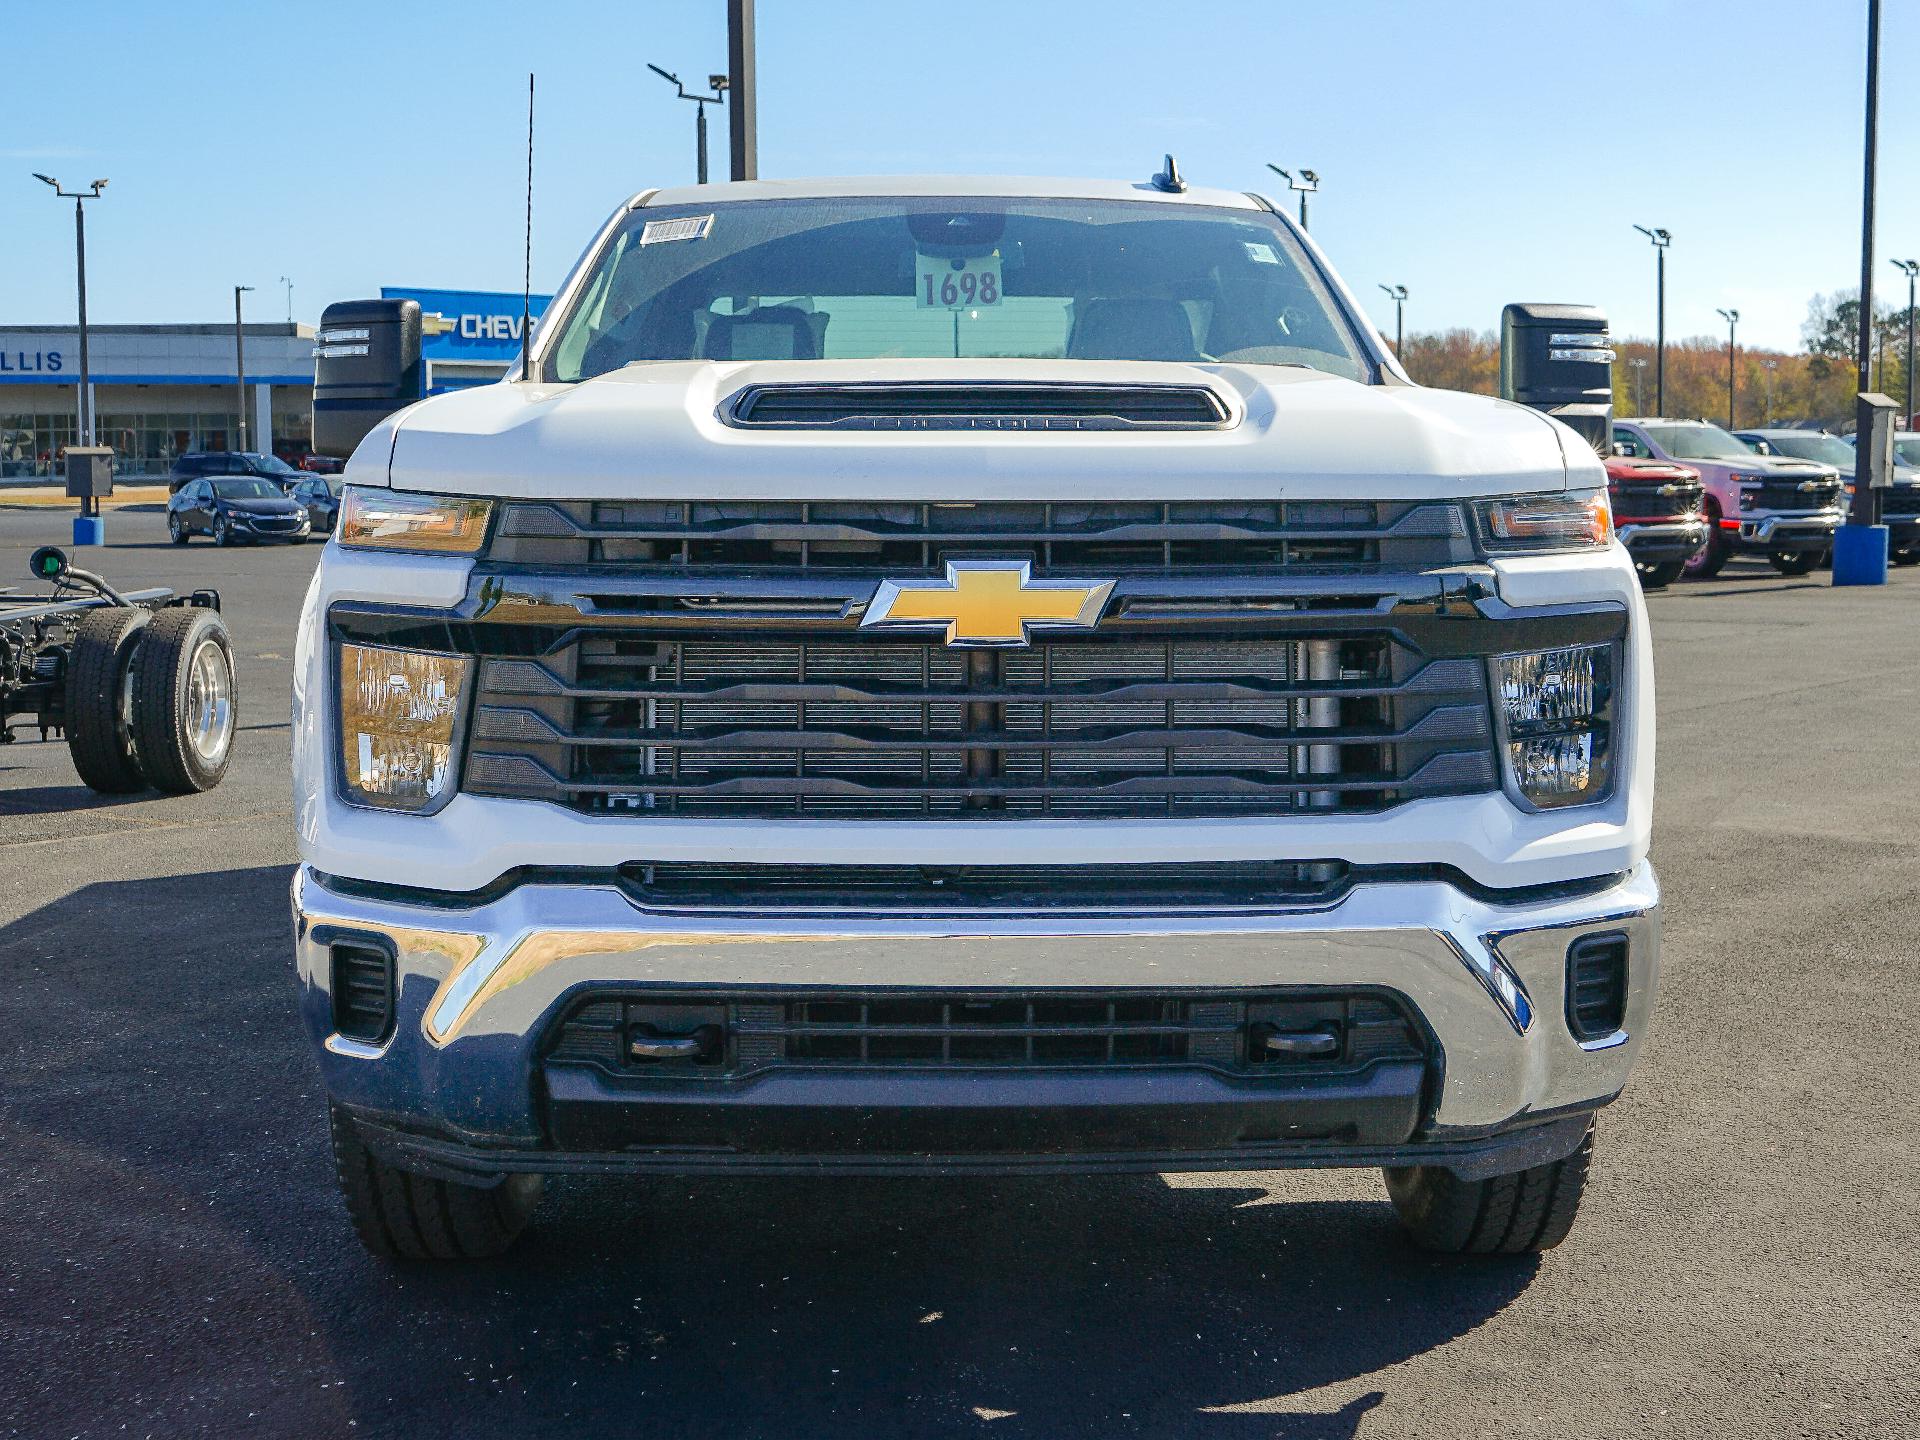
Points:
x=526 y=279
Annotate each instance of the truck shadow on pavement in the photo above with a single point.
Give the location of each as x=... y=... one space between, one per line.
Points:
x=188 y=1266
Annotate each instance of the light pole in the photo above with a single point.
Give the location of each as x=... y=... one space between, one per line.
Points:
x=718 y=84
x=80 y=198
x=1398 y=294
x=240 y=365
x=1732 y=317
x=1306 y=183
x=1661 y=239
x=1770 y=366
x=1638 y=364
x=1912 y=267
x=289 y=284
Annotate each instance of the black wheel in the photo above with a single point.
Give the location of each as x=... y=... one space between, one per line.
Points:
x=1658 y=577
x=183 y=700
x=222 y=530
x=177 y=530
x=1711 y=557
x=1910 y=556
x=1794 y=562
x=1505 y=1215
x=399 y=1215
x=99 y=723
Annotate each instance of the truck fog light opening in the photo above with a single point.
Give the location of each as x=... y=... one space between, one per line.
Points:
x=1556 y=709
x=399 y=711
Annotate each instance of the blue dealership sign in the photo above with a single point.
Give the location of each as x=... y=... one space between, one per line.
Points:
x=477 y=325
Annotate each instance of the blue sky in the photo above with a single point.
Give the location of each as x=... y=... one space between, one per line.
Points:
x=1477 y=152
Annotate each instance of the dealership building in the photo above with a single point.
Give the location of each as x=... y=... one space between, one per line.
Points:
x=160 y=391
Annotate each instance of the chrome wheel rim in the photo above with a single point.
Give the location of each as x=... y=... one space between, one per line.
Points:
x=209 y=702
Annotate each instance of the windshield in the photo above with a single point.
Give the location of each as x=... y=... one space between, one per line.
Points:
x=1827 y=449
x=1698 y=442
x=1907 y=449
x=270 y=465
x=937 y=278
x=247 y=490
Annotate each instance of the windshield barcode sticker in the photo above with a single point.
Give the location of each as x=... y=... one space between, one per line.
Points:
x=692 y=227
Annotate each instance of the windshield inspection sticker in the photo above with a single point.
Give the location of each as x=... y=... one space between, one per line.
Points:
x=1260 y=253
x=956 y=282
x=691 y=227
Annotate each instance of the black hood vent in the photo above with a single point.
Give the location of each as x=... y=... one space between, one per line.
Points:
x=945 y=405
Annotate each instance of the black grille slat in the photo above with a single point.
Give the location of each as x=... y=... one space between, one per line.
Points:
x=907 y=537
x=936 y=1030
x=1790 y=494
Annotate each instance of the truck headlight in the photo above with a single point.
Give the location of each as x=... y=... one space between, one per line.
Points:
x=1556 y=710
x=1547 y=522
x=373 y=519
x=399 y=710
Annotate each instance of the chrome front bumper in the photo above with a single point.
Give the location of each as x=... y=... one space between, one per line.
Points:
x=477 y=988
x=1790 y=529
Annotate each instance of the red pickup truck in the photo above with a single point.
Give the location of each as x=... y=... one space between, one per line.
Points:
x=1658 y=514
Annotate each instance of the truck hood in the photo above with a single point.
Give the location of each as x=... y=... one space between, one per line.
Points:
x=655 y=430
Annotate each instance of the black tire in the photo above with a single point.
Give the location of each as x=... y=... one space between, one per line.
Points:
x=1711 y=558
x=99 y=737
x=1529 y=1210
x=184 y=673
x=222 y=530
x=1906 y=557
x=1658 y=577
x=177 y=530
x=399 y=1215
x=1794 y=562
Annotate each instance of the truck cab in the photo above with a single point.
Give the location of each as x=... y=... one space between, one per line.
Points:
x=1783 y=508
x=954 y=676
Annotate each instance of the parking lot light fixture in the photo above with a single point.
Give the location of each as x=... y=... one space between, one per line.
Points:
x=719 y=85
x=1398 y=294
x=1732 y=317
x=1770 y=366
x=1912 y=269
x=1306 y=182
x=1638 y=364
x=240 y=368
x=84 y=416
x=1661 y=240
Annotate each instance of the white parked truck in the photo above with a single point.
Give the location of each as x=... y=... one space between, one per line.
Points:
x=961 y=676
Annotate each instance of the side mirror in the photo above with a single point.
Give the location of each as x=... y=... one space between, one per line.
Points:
x=1557 y=358
x=366 y=365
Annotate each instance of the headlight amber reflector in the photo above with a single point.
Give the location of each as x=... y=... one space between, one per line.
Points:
x=373 y=519
x=1548 y=522
x=1557 y=717
x=399 y=710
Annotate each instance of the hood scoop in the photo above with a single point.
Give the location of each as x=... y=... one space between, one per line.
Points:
x=977 y=405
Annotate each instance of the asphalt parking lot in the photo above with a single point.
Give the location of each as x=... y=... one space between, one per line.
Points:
x=176 y=1261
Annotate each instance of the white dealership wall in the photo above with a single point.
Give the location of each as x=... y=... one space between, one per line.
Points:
x=158 y=390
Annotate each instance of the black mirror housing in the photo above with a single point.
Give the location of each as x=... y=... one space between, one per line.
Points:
x=367 y=364
x=1557 y=358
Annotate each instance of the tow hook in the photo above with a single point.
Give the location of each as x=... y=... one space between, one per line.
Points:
x=645 y=1044
x=1300 y=1044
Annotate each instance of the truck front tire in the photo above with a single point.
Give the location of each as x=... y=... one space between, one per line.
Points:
x=399 y=1215
x=1526 y=1211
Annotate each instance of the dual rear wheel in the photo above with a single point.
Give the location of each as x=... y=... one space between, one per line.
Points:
x=150 y=700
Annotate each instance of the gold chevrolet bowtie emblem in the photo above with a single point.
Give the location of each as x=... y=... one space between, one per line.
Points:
x=434 y=323
x=987 y=603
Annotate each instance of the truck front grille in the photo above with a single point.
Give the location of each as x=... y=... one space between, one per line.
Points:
x=1330 y=1032
x=1669 y=500
x=863 y=726
x=1796 y=494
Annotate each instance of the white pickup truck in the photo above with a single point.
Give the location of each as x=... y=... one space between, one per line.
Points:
x=961 y=676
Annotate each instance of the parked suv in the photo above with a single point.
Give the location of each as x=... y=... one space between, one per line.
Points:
x=1899 y=506
x=230 y=462
x=1658 y=513
x=1767 y=505
x=952 y=677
